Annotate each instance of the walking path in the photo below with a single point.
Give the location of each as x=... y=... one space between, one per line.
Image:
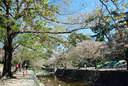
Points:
x=28 y=79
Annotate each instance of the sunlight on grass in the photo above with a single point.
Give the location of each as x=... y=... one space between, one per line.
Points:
x=42 y=71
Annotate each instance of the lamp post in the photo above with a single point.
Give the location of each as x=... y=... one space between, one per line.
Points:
x=126 y=54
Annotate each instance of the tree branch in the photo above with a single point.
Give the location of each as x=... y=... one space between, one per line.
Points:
x=3 y=7
x=56 y=20
x=29 y=47
x=107 y=9
x=60 y=22
x=105 y=6
x=19 y=15
x=73 y=12
x=4 y=2
x=16 y=46
x=115 y=5
x=66 y=32
x=63 y=42
x=5 y=10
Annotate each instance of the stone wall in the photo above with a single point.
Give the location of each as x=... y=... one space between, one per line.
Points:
x=105 y=78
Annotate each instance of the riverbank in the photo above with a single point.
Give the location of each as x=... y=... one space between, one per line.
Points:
x=98 y=77
x=27 y=79
x=101 y=77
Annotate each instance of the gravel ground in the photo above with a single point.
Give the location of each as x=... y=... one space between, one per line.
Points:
x=29 y=79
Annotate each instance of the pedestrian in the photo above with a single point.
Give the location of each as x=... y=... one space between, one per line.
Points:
x=26 y=66
x=17 y=66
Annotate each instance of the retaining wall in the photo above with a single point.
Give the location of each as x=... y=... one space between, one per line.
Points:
x=105 y=78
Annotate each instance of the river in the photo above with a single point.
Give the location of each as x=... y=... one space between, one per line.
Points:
x=54 y=81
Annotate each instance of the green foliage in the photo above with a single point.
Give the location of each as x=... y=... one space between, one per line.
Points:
x=75 y=38
x=42 y=71
x=28 y=16
x=101 y=31
x=109 y=20
x=16 y=61
x=2 y=28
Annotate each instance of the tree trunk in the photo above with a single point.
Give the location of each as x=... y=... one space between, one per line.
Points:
x=7 y=62
x=127 y=63
x=8 y=55
x=126 y=56
x=8 y=45
x=95 y=64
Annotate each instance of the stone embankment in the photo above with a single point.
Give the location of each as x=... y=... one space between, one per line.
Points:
x=40 y=74
x=102 y=77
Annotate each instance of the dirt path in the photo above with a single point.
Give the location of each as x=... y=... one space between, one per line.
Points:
x=1 y=67
x=28 y=79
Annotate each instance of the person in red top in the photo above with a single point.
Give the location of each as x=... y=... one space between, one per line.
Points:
x=17 y=66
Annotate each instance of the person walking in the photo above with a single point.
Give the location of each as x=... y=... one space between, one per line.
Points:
x=17 y=66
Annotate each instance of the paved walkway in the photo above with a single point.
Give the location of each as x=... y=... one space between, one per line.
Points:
x=29 y=79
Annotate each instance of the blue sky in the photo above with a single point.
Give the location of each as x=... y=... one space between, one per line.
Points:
x=86 y=6
x=90 y=5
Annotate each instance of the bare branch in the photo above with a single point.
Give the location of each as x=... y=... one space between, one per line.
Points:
x=60 y=22
x=73 y=12
x=66 y=32
x=116 y=5
x=105 y=6
x=107 y=10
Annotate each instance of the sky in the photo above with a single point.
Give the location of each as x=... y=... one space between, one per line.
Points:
x=81 y=7
x=89 y=6
x=84 y=6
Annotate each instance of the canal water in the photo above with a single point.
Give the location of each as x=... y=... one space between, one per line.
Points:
x=54 y=81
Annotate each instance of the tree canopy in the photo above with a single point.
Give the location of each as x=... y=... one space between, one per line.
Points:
x=26 y=21
x=30 y=22
x=112 y=15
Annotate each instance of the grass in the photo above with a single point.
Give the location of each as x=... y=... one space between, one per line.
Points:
x=42 y=71
x=40 y=82
x=1 y=65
